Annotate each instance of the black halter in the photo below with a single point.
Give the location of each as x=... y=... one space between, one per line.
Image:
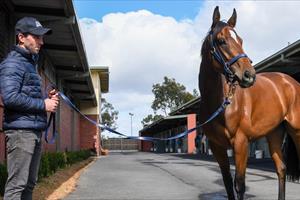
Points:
x=218 y=56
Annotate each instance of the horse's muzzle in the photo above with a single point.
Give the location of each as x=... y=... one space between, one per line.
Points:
x=248 y=79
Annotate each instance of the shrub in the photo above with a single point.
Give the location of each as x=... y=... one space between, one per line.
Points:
x=44 y=170
x=61 y=160
x=53 y=166
x=51 y=162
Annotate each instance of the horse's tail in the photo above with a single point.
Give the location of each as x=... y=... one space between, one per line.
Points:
x=291 y=159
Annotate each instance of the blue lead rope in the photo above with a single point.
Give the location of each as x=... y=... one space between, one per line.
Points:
x=51 y=119
x=67 y=100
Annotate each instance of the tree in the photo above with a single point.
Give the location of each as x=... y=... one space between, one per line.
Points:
x=150 y=118
x=167 y=96
x=109 y=115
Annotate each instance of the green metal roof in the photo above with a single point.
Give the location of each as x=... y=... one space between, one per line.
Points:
x=286 y=60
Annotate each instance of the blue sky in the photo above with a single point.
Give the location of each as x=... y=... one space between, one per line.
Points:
x=96 y=9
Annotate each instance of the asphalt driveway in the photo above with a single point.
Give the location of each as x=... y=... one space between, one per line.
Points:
x=149 y=176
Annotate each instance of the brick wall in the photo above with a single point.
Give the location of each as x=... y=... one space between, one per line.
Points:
x=65 y=127
x=146 y=145
x=89 y=134
x=76 y=143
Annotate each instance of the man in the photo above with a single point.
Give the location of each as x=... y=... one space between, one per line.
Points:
x=25 y=114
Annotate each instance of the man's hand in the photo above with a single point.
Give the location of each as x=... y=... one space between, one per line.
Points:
x=52 y=102
x=52 y=93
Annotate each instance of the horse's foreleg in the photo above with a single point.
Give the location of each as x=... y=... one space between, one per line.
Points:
x=220 y=155
x=275 y=139
x=241 y=157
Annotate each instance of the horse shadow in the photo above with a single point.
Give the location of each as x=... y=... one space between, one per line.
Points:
x=221 y=194
x=216 y=195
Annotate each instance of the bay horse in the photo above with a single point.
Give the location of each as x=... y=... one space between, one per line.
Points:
x=265 y=104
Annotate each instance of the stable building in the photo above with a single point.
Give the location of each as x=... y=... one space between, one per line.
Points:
x=63 y=62
x=178 y=121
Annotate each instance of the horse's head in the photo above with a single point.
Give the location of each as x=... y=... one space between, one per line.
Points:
x=227 y=52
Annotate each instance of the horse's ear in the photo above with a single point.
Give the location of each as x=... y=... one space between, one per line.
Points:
x=216 y=17
x=232 y=20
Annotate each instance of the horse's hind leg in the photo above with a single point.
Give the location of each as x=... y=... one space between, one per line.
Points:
x=221 y=156
x=275 y=139
x=292 y=152
x=292 y=126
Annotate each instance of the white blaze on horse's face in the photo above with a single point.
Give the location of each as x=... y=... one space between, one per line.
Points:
x=233 y=35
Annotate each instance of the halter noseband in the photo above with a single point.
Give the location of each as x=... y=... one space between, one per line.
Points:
x=218 y=56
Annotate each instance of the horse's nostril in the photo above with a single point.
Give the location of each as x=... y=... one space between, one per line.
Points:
x=247 y=74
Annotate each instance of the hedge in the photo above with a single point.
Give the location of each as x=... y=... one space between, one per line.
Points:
x=50 y=163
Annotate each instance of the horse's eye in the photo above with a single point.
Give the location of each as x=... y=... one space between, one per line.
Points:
x=221 y=42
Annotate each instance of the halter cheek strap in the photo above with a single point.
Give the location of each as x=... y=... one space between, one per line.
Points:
x=226 y=65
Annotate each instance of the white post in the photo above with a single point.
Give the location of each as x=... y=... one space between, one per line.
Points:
x=131 y=114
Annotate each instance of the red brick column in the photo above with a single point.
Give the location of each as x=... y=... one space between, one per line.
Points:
x=191 y=123
x=146 y=146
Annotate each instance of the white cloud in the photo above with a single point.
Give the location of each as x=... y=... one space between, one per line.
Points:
x=265 y=26
x=141 y=47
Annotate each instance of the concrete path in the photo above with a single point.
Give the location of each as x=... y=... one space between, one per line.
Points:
x=149 y=176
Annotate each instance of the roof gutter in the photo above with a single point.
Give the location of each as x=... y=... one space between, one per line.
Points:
x=269 y=61
x=80 y=47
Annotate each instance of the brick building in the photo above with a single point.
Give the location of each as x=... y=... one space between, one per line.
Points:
x=178 y=121
x=62 y=62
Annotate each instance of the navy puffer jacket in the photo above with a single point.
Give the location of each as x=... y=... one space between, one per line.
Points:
x=20 y=87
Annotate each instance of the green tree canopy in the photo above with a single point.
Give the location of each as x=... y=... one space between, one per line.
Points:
x=168 y=96
x=150 y=118
x=109 y=115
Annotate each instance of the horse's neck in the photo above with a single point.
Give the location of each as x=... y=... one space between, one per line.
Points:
x=211 y=86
